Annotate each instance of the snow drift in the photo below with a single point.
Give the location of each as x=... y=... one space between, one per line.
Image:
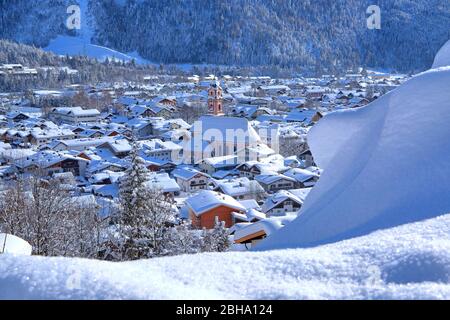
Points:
x=407 y=262
x=13 y=244
x=384 y=165
x=443 y=57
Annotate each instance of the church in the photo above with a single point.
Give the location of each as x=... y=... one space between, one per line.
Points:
x=217 y=135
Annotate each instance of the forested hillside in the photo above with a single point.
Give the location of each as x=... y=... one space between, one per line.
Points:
x=317 y=34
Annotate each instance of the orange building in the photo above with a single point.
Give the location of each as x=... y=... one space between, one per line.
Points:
x=207 y=205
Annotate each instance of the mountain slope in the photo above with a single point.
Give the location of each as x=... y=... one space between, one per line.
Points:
x=296 y=33
x=384 y=165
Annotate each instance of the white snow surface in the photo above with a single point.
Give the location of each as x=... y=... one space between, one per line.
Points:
x=13 y=244
x=384 y=165
x=407 y=262
x=442 y=59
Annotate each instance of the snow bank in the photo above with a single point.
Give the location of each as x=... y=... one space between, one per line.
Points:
x=443 y=57
x=408 y=262
x=384 y=165
x=13 y=244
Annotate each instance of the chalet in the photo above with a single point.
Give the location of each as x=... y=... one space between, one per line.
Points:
x=215 y=164
x=249 y=111
x=77 y=144
x=239 y=188
x=204 y=207
x=51 y=162
x=17 y=116
x=166 y=101
x=306 y=158
x=119 y=148
x=190 y=179
x=156 y=165
x=275 y=182
x=163 y=182
x=284 y=202
x=274 y=89
x=305 y=115
x=303 y=178
x=40 y=137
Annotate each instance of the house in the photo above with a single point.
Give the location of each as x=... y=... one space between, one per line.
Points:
x=215 y=164
x=204 y=207
x=305 y=116
x=306 y=158
x=51 y=162
x=275 y=182
x=274 y=89
x=17 y=116
x=304 y=178
x=249 y=234
x=270 y=165
x=163 y=182
x=162 y=150
x=284 y=201
x=250 y=111
x=240 y=188
x=41 y=137
x=190 y=179
x=77 y=144
x=74 y=115
x=119 y=148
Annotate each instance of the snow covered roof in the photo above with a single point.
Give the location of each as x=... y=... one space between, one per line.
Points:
x=268 y=226
x=281 y=196
x=272 y=178
x=163 y=182
x=187 y=173
x=76 y=111
x=250 y=204
x=238 y=186
x=207 y=200
x=301 y=175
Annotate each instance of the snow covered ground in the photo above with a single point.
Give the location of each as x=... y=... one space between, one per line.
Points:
x=407 y=262
x=385 y=165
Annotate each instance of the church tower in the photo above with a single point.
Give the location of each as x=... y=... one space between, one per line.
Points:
x=215 y=99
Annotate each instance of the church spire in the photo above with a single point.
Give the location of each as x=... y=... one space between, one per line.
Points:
x=215 y=99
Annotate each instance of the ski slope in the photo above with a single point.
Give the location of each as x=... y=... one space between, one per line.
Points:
x=81 y=44
x=384 y=165
x=408 y=262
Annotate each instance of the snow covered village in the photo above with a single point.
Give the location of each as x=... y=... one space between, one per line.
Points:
x=122 y=179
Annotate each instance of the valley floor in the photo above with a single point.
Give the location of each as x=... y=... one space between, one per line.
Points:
x=407 y=262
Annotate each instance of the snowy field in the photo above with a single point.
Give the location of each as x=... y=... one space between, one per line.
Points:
x=407 y=262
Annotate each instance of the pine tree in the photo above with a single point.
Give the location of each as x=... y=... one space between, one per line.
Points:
x=143 y=218
x=132 y=220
